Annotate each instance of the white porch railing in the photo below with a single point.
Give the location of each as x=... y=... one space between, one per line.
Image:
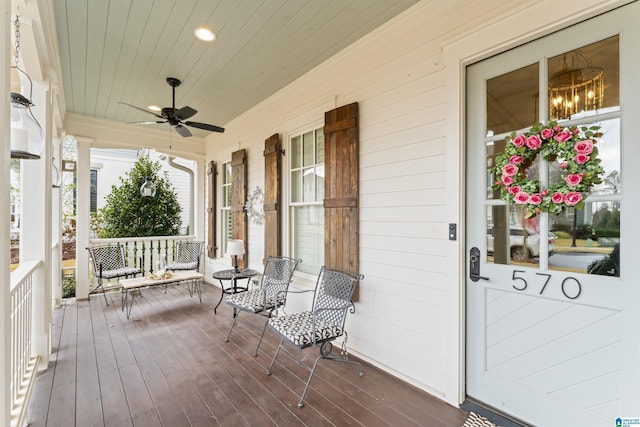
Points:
x=145 y=252
x=24 y=363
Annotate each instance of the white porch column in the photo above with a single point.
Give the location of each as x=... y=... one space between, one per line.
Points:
x=83 y=171
x=35 y=242
x=56 y=234
x=5 y=252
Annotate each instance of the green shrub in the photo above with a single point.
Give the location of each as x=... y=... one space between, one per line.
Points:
x=69 y=288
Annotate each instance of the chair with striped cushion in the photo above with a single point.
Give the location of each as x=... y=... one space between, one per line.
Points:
x=187 y=256
x=109 y=262
x=323 y=324
x=271 y=294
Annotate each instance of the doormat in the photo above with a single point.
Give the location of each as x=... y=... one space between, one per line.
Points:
x=475 y=420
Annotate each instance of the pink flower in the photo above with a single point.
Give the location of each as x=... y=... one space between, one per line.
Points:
x=581 y=159
x=557 y=197
x=545 y=192
x=507 y=180
x=519 y=140
x=573 y=179
x=515 y=159
x=583 y=147
x=563 y=136
x=572 y=198
x=534 y=142
x=557 y=128
x=535 y=199
x=546 y=133
x=509 y=169
x=514 y=190
x=562 y=165
x=521 y=198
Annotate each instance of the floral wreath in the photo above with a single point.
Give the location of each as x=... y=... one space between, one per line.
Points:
x=574 y=149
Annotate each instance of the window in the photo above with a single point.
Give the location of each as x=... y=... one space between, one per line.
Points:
x=306 y=195
x=93 y=198
x=227 y=191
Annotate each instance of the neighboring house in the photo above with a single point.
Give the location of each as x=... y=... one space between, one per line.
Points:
x=437 y=90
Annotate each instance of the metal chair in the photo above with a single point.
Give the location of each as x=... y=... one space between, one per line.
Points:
x=323 y=324
x=271 y=294
x=187 y=256
x=108 y=263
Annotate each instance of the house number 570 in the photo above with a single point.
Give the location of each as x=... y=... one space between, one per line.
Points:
x=571 y=287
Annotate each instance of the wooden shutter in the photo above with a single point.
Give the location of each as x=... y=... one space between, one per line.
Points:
x=211 y=211
x=272 y=166
x=238 y=199
x=341 y=218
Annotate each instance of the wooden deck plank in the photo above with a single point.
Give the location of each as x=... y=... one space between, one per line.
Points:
x=62 y=408
x=89 y=401
x=39 y=406
x=169 y=365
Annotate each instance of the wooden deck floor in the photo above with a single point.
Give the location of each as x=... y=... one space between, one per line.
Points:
x=170 y=366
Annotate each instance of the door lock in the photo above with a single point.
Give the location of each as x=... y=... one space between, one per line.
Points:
x=474 y=265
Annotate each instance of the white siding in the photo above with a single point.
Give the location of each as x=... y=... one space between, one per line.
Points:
x=409 y=319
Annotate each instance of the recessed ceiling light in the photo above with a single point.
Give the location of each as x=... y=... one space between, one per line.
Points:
x=154 y=108
x=204 y=34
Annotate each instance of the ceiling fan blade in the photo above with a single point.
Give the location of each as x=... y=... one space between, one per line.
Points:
x=141 y=109
x=183 y=131
x=146 y=123
x=205 y=126
x=185 y=112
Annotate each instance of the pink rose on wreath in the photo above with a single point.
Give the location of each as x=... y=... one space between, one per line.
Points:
x=515 y=159
x=545 y=192
x=563 y=136
x=521 y=198
x=509 y=169
x=546 y=133
x=534 y=142
x=572 y=198
x=514 y=190
x=563 y=165
x=557 y=197
x=507 y=180
x=573 y=179
x=581 y=159
x=583 y=147
x=557 y=128
x=535 y=199
x=519 y=140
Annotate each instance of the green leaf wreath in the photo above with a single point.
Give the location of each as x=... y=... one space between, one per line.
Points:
x=577 y=155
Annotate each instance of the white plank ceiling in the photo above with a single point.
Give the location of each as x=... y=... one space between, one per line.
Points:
x=123 y=50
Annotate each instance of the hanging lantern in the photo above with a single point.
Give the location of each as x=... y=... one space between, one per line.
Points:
x=148 y=189
x=26 y=134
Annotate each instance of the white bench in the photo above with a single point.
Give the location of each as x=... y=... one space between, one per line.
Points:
x=193 y=279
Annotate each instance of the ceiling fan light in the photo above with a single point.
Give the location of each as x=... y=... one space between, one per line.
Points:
x=154 y=108
x=204 y=34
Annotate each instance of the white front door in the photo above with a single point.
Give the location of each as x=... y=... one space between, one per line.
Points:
x=547 y=342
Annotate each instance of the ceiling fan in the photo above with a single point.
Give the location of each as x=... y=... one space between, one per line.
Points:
x=176 y=118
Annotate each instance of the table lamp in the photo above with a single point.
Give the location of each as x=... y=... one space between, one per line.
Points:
x=235 y=248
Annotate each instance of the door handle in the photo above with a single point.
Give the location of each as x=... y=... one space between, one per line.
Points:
x=474 y=265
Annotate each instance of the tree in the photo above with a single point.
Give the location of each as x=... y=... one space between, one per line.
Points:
x=127 y=214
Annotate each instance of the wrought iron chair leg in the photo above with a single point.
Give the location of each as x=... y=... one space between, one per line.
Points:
x=104 y=294
x=255 y=354
x=235 y=317
x=274 y=357
x=306 y=387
